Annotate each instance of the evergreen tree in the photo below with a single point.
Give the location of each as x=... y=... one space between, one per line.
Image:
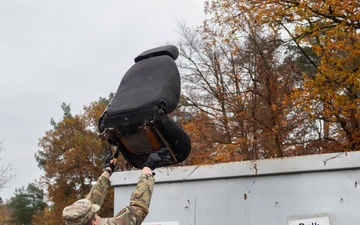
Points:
x=26 y=203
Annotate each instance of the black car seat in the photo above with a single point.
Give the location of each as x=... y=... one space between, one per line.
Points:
x=136 y=120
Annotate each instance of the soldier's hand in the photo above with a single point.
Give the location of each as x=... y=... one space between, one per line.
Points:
x=110 y=160
x=153 y=161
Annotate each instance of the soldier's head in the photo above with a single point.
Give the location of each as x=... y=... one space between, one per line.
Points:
x=82 y=212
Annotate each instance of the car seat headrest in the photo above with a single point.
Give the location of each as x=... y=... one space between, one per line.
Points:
x=169 y=50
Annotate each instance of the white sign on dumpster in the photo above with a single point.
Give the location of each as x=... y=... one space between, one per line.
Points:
x=162 y=223
x=311 y=221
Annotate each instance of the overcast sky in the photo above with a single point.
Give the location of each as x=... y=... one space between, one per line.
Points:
x=74 y=52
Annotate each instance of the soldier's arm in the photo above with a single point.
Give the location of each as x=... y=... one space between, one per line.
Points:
x=138 y=209
x=98 y=192
x=141 y=196
x=135 y=213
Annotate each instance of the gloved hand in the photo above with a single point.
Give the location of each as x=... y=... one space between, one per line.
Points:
x=153 y=160
x=108 y=163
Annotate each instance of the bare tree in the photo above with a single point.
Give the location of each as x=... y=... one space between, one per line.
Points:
x=243 y=87
x=5 y=172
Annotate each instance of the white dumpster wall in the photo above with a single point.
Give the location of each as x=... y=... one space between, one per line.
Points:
x=295 y=190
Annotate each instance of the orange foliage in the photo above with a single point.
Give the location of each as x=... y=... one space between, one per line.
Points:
x=5 y=214
x=327 y=102
x=48 y=217
x=206 y=148
x=72 y=157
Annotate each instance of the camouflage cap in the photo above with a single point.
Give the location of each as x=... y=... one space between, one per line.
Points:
x=79 y=212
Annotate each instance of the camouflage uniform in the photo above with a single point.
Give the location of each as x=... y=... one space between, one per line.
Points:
x=135 y=213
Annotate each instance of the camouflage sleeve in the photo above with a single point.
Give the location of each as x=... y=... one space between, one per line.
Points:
x=98 y=192
x=135 y=213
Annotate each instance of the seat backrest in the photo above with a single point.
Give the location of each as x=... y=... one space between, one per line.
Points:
x=154 y=80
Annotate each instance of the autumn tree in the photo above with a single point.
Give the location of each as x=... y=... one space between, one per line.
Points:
x=330 y=96
x=205 y=92
x=240 y=89
x=72 y=157
x=5 y=213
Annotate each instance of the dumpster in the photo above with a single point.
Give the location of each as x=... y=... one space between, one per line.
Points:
x=319 y=189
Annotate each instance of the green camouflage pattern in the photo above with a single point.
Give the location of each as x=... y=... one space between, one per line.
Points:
x=98 y=192
x=82 y=210
x=79 y=212
x=135 y=213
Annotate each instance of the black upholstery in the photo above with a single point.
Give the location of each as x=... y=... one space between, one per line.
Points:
x=137 y=116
